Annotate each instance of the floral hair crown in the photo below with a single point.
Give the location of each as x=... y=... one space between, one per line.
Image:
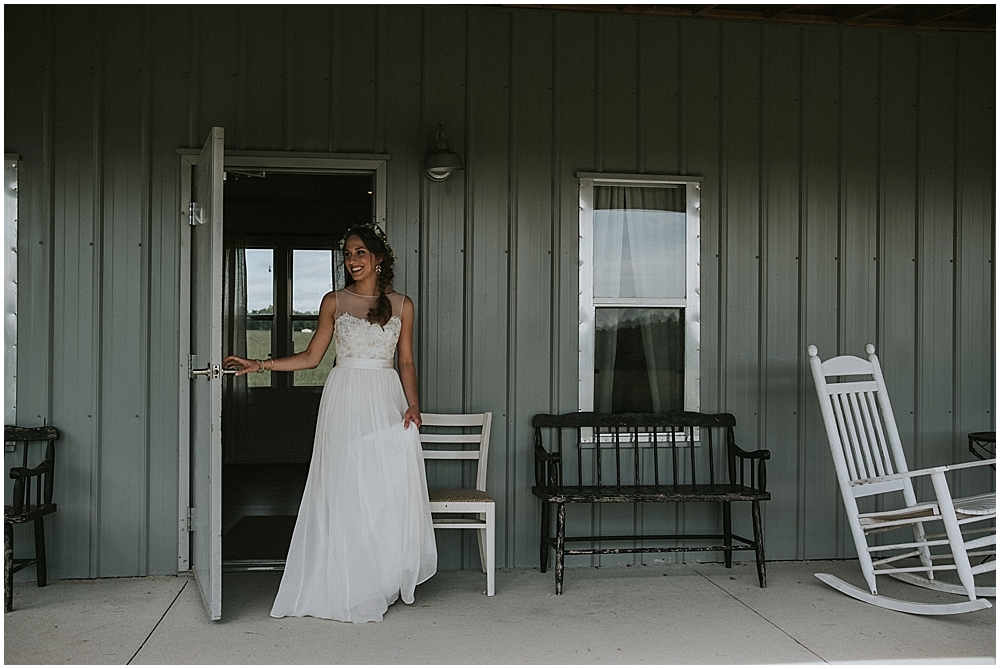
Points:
x=378 y=233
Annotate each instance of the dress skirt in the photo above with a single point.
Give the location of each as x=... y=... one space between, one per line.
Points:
x=363 y=536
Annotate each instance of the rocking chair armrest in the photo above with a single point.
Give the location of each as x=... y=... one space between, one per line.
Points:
x=923 y=472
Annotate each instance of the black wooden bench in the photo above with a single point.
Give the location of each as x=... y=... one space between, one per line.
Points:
x=600 y=458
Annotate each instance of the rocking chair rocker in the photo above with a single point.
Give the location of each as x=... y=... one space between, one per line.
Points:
x=869 y=460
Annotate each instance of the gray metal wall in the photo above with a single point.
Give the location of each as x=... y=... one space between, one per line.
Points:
x=848 y=197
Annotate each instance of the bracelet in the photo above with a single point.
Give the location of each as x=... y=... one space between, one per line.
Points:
x=270 y=360
x=260 y=366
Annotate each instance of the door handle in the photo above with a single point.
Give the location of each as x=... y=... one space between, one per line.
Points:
x=214 y=372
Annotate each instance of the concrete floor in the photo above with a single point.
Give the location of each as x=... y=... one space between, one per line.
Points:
x=676 y=614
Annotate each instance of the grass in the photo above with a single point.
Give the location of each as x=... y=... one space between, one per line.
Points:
x=259 y=348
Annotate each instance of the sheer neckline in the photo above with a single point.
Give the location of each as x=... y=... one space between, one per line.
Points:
x=351 y=292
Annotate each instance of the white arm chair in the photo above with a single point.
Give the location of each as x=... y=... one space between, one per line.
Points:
x=461 y=503
x=869 y=459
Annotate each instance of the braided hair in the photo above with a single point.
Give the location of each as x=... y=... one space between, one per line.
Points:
x=374 y=240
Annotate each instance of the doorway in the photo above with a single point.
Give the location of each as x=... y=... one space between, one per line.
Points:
x=281 y=254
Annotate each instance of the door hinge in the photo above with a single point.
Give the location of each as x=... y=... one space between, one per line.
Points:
x=190 y=518
x=195 y=213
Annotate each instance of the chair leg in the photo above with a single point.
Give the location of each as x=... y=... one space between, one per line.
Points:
x=481 y=540
x=560 y=546
x=8 y=566
x=727 y=530
x=758 y=540
x=543 y=541
x=490 y=550
x=41 y=572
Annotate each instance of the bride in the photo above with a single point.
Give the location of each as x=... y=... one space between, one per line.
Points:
x=363 y=536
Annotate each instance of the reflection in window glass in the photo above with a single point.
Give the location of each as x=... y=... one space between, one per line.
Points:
x=312 y=278
x=639 y=360
x=259 y=337
x=260 y=311
x=260 y=281
x=302 y=332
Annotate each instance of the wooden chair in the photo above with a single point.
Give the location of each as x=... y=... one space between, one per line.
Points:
x=25 y=509
x=869 y=459
x=452 y=507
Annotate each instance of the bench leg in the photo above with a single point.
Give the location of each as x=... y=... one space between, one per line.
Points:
x=41 y=573
x=727 y=530
x=543 y=541
x=8 y=566
x=560 y=546
x=758 y=539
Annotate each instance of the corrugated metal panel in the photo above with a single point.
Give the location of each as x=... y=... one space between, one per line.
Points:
x=847 y=197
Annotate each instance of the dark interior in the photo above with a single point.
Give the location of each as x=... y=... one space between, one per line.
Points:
x=264 y=472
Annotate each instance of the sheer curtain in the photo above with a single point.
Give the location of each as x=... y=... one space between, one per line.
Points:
x=639 y=242
x=235 y=395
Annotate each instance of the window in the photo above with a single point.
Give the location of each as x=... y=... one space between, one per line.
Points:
x=285 y=284
x=639 y=293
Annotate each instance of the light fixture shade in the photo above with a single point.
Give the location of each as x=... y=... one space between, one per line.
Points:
x=441 y=161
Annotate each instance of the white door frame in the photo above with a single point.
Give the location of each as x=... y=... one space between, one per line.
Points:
x=273 y=161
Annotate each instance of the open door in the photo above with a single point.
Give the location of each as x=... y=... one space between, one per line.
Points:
x=206 y=374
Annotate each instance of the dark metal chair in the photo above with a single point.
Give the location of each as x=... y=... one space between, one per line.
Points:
x=25 y=508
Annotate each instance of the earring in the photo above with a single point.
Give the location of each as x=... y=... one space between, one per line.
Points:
x=378 y=269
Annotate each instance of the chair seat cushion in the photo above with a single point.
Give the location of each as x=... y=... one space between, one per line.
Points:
x=458 y=495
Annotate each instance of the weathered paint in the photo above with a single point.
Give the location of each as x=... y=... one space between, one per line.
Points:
x=847 y=197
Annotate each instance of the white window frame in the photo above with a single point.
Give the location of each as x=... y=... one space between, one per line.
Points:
x=691 y=302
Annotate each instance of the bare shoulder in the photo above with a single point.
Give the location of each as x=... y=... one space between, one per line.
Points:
x=329 y=302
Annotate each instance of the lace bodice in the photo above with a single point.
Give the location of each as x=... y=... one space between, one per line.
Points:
x=356 y=337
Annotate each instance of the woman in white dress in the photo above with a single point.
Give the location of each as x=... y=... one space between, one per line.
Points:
x=363 y=536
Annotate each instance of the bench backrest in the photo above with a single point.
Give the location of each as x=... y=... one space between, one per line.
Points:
x=601 y=449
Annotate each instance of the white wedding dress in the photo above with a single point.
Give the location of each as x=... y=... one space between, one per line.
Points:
x=363 y=536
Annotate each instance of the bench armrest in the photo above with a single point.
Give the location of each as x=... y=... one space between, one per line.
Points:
x=546 y=464
x=757 y=466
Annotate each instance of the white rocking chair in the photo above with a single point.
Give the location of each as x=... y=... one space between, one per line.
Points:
x=869 y=460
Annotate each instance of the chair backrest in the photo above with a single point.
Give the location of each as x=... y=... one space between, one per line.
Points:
x=860 y=425
x=458 y=437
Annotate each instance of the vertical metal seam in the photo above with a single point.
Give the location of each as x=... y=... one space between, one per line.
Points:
x=956 y=257
x=803 y=383
x=98 y=299
x=145 y=265
x=510 y=546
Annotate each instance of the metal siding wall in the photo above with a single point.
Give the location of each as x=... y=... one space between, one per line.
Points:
x=75 y=325
x=487 y=256
x=170 y=69
x=122 y=335
x=935 y=335
x=781 y=169
x=975 y=321
x=530 y=308
x=575 y=111
x=444 y=270
x=820 y=507
x=848 y=197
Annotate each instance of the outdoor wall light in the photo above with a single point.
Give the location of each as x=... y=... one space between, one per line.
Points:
x=441 y=161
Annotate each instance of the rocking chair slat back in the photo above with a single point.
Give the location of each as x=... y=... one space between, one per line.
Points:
x=865 y=442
